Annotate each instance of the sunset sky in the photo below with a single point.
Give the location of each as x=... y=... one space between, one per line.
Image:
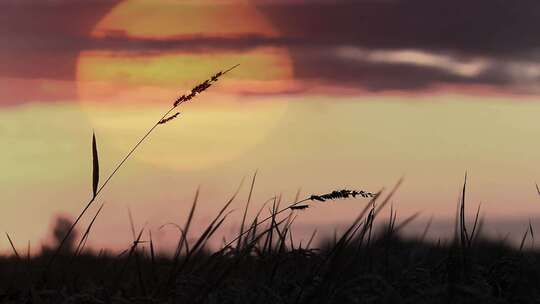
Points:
x=328 y=94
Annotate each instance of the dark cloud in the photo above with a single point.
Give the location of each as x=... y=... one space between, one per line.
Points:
x=480 y=27
x=42 y=39
x=374 y=76
x=29 y=27
x=119 y=41
x=497 y=31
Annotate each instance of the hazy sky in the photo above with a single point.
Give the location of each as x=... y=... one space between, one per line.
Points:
x=328 y=94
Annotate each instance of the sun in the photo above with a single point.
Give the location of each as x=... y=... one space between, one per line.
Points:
x=124 y=87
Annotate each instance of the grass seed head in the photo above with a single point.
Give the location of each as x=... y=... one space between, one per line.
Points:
x=166 y=120
x=341 y=194
x=299 y=207
x=198 y=89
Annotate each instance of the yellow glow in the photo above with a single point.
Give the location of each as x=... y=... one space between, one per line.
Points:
x=102 y=73
x=161 y=19
x=115 y=76
x=177 y=70
x=202 y=137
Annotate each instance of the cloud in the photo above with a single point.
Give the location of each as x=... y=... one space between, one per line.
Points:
x=27 y=27
x=481 y=27
x=413 y=44
x=376 y=45
x=399 y=70
x=33 y=33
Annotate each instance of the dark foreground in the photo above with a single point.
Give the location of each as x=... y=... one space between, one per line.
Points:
x=351 y=269
x=263 y=264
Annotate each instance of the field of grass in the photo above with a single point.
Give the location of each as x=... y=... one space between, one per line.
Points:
x=369 y=262
x=360 y=265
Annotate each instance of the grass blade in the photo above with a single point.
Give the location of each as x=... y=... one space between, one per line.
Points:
x=246 y=210
x=13 y=247
x=197 y=90
x=95 y=166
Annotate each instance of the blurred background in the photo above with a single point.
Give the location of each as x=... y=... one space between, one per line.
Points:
x=328 y=95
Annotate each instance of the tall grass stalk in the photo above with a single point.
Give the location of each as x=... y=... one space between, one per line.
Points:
x=163 y=119
x=275 y=211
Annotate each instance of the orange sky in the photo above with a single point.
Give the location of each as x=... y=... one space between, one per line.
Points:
x=382 y=113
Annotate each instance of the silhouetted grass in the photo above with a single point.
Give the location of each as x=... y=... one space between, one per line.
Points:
x=363 y=264
x=369 y=262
